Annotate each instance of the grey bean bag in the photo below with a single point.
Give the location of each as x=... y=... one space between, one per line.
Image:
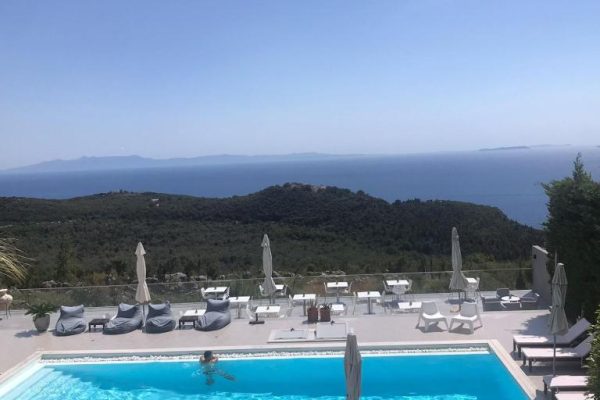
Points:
x=70 y=322
x=159 y=319
x=129 y=318
x=217 y=316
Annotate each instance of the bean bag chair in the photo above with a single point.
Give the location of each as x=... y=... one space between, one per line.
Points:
x=128 y=318
x=217 y=316
x=159 y=318
x=70 y=322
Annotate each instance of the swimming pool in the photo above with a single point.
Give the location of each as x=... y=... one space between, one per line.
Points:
x=459 y=376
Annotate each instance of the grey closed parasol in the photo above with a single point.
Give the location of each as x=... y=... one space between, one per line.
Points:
x=558 y=319
x=142 y=294
x=352 y=368
x=267 y=259
x=458 y=280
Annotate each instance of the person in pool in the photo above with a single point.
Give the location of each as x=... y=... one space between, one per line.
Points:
x=208 y=362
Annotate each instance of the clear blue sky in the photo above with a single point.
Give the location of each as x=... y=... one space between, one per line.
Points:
x=185 y=78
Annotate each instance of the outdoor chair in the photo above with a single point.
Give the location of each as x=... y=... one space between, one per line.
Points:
x=128 y=319
x=160 y=318
x=70 y=321
x=573 y=396
x=430 y=314
x=217 y=316
x=502 y=292
x=554 y=383
x=491 y=303
x=567 y=340
x=530 y=301
x=469 y=314
x=472 y=290
x=577 y=353
x=387 y=290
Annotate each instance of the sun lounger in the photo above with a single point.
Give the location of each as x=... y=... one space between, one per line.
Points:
x=468 y=315
x=574 y=333
x=579 y=352
x=564 y=382
x=128 y=319
x=573 y=396
x=159 y=319
x=217 y=316
x=431 y=315
x=331 y=331
x=70 y=322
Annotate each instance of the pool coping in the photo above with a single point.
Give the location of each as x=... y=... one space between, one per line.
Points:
x=494 y=345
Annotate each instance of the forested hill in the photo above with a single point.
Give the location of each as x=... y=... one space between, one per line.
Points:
x=311 y=228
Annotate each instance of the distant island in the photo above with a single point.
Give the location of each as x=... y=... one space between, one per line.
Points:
x=507 y=148
x=313 y=229
x=110 y=163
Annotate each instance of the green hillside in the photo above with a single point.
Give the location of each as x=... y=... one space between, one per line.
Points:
x=312 y=229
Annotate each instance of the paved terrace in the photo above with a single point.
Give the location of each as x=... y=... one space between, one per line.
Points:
x=19 y=339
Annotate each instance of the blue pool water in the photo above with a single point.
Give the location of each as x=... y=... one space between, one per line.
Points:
x=439 y=377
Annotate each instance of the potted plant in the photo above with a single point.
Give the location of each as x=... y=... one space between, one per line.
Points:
x=41 y=315
x=325 y=312
x=313 y=313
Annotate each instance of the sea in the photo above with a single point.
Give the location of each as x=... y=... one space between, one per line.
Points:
x=508 y=179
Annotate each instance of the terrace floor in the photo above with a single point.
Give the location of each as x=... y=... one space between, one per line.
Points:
x=19 y=339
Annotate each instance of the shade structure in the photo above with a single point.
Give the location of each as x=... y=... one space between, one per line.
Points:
x=458 y=280
x=142 y=294
x=352 y=368
x=267 y=259
x=558 y=319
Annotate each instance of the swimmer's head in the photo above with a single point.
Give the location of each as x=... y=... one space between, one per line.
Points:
x=208 y=355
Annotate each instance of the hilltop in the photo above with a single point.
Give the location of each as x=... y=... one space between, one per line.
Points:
x=312 y=229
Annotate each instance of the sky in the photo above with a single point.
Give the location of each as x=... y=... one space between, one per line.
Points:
x=187 y=78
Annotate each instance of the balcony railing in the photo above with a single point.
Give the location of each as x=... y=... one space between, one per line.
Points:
x=189 y=292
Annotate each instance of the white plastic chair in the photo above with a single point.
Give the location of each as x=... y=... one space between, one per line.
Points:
x=472 y=290
x=468 y=315
x=431 y=315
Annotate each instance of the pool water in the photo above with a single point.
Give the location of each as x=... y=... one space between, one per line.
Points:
x=420 y=377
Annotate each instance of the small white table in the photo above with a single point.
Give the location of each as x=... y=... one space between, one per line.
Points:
x=215 y=291
x=510 y=299
x=337 y=286
x=472 y=281
x=368 y=296
x=189 y=313
x=239 y=300
x=268 y=311
x=304 y=297
x=405 y=306
x=337 y=309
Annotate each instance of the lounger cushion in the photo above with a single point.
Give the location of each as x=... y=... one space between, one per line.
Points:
x=128 y=319
x=217 y=316
x=70 y=322
x=159 y=319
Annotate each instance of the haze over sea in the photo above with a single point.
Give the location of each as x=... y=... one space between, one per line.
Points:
x=508 y=179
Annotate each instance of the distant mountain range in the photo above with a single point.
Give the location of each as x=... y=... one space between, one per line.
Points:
x=138 y=162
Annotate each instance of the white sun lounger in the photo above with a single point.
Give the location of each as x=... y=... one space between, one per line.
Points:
x=579 y=352
x=468 y=315
x=576 y=331
x=564 y=382
x=573 y=396
x=431 y=315
x=329 y=331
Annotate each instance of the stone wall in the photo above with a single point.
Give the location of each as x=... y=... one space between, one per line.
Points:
x=541 y=277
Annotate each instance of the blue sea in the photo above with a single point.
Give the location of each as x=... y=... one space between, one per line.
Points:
x=508 y=179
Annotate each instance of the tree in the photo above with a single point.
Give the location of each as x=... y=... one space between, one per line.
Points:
x=12 y=265
x=573 y=232
x=593 y=365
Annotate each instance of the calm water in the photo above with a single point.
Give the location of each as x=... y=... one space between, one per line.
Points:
x=510 y=180
x=452 y=377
